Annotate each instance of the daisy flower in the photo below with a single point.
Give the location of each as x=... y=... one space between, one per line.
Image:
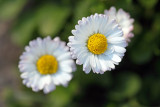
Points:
x=97 y=43
x=123 y=19
x=45 y=64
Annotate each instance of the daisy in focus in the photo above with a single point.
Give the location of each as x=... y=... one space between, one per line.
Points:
x=45 y=64
x=123 y=19
x=97 y=43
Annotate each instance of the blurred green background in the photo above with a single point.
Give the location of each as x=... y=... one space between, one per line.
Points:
x=134 y=83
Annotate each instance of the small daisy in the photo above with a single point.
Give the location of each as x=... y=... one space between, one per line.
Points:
x=45 y=64
x=97 y=43
x=123 y=19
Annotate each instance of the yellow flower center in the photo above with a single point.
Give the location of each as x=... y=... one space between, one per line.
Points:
x=97 y=43
x=47 y=64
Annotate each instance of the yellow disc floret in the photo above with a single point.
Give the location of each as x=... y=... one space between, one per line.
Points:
x=47 y=64
x=97 y=43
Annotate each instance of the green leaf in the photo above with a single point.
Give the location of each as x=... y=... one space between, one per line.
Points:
x=104 y=80
x=82 y=9
x=98 y=7
x=128 y=85
x=60 y=97
x=131 y=84
x=51 y=18
x=142 y=51
x=67 y=31
x=148 y=3
x=22 y=32
x=156 y=25
x=141 y=54
x=137 y=28
x=155 y=89
x=132 y=103
x=9 y=9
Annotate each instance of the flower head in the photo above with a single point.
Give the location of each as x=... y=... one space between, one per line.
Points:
x=97 y=43
x=123 y=19
x=45 y=64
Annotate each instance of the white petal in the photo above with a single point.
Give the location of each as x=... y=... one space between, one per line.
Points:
x=98 y=66
x=104 y=67
x=109 y=50
x=115 y=58
x=64 y=56
x=86 y=66
x=116 y=40
x=119 y=49
x=92 y=62
x=49 y=88
x=108 y=62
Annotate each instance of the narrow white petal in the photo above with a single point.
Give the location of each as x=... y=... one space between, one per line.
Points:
x=86 y=65
x=116 y=40
x=115 y=58
x=49 y=88
x=119 y=49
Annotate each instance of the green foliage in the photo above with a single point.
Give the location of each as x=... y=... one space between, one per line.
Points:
x=134 y=83
x=51 y=18
x=141 y=53
x=62 y=96
x=23 y=31
x=9 y=9
x=148 y=3
x=127 y=86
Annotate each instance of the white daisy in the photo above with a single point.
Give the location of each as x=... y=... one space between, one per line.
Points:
x=97 y=43
x=123 y=19
x=45 y=64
